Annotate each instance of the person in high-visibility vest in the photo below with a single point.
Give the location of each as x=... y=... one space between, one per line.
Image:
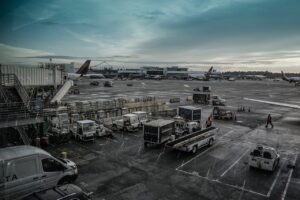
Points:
x=209 y=121
x=269 y=121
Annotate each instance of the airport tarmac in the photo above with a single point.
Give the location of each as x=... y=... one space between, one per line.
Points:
x=119 y=167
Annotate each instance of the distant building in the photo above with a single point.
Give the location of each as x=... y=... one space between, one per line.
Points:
x=151 y=71
x=177 y=72
x=130 y=72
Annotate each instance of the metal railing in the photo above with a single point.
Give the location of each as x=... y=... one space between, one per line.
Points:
x=3 y=94
x=12 y=80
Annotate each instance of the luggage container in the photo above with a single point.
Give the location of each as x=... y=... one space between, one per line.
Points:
x=189 y=113
x=158 y=132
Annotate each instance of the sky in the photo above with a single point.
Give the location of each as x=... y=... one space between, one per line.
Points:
x=229 y=34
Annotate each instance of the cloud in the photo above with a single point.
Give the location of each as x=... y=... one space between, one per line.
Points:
x=15 y=54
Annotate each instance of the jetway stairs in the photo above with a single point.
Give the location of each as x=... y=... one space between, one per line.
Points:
x=62 y=92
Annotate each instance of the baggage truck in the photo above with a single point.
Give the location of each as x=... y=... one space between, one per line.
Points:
x=84 y=130
x=129 y=122
x=158 y=132
x=189 y=113
x=194 y=141
x=27 y=169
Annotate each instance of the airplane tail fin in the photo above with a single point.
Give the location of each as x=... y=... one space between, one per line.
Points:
x=84 y=68
x=210 y=70
x=284 y=77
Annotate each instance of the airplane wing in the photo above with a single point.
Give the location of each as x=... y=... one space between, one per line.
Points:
x=275 y=103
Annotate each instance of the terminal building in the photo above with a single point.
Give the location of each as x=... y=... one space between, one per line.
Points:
x=170 y=72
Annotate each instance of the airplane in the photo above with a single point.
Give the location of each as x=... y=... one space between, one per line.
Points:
x=255 y=77
x=83 y=72
x=204 y=76
x=295 y=80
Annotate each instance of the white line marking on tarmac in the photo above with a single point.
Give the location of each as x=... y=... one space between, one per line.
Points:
x=289 y=180
x=226 y=184
x=275 y=180
x=231 y=166
x=210 y=148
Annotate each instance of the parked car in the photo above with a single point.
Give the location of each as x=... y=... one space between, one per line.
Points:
x=108 y=84
x=94 y=83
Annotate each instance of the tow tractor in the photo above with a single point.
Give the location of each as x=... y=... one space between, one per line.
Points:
x=263 y=157
x=183 y=128
x=222 y=113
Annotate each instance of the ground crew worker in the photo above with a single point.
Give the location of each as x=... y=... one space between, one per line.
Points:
x=209 y=121
x=269 y=121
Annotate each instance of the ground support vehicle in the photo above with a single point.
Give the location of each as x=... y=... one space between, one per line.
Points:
x=158 y=132
x=218 y=101
x=189 y=113
x=59 y=130
x=194 y=141
x=84 y=130
x=129 y=122
x=263 y=157
x=222 y=113
x=183 y=128
x=142 y=117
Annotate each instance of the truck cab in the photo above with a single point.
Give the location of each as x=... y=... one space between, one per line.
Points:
x=263 y=157
x=222 y=113
x=60 y=124
x=183 y=128
x=129 y=122
x=217 y=100
x=85 y=130
x=142 y=117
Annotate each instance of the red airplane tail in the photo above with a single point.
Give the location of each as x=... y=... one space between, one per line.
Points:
x=84 y=68
x=210 y=70
x=284 y=77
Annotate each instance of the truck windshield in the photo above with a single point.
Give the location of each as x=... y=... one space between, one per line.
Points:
x=88 y=127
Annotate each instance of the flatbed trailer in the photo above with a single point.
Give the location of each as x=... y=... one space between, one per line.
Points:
x=194 y=141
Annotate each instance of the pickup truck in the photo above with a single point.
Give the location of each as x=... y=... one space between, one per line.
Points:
x=194 y=141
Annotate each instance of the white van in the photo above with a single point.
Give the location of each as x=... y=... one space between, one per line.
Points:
x=129 y=122
x=27 y=169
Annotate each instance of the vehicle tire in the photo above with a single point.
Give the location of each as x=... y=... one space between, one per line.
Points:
x=275 y=165
x=64 y=180
x=114 y=127
x=146 y=144
x=210 y=142
x=194 y=149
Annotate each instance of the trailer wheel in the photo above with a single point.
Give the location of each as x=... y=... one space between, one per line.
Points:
x=194 y=149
